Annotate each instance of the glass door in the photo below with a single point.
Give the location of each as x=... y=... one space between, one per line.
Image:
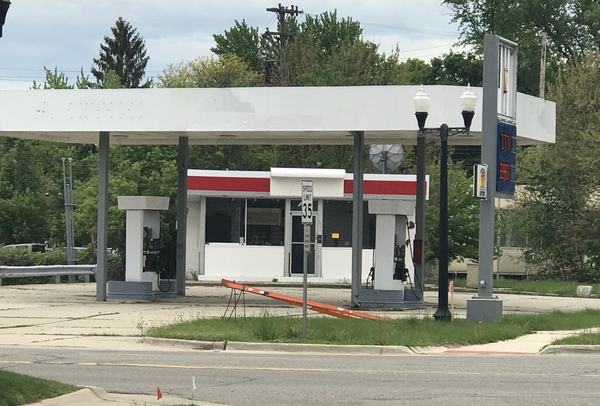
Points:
x=297 y=257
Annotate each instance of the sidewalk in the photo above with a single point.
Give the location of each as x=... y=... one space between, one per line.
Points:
x=96 y=397
x=68 y=315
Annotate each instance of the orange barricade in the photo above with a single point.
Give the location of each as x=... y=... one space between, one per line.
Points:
x=310 y=304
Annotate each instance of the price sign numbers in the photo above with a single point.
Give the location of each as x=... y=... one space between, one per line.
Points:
x=506 y=157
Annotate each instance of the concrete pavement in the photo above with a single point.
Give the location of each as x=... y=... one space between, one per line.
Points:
x=68 y=315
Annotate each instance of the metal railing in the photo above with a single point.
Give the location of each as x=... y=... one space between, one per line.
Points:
x=47 y=270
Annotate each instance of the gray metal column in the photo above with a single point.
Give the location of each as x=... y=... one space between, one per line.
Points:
x=182 y=167
x=484 y=307
x=202 y=237
x=357 y=218
x=488 y=156
x=102 y=243
x=419 y=241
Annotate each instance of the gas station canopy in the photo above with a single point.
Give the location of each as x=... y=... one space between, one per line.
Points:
x=262 y=115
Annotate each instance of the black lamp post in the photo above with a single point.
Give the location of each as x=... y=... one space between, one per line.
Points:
x=4 y=5
x=468 y=101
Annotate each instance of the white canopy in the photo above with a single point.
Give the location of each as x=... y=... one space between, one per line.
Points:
x=260 y=115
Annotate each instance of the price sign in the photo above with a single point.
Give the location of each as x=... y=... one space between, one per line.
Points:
x=306 y=207
x=506 y=156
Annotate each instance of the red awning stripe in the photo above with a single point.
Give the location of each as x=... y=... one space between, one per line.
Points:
x=383 y=187
x=229 y=184
x=263 y=185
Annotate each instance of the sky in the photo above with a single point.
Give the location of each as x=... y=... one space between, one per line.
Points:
x=66 y=34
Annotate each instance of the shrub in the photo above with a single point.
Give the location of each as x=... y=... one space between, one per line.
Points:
x=19 y=257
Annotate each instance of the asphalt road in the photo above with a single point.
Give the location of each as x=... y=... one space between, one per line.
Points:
x=280 y=379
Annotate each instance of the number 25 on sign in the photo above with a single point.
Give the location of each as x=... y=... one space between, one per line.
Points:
x=307 y=201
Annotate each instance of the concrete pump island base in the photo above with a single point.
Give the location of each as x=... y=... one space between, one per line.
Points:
x=142 y=246
x=261 y=116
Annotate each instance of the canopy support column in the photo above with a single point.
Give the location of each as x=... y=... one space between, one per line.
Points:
x=102 y=243
x=357 y=217
x=182 y=167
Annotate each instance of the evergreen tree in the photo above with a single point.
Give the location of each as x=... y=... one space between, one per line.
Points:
x=125 y=55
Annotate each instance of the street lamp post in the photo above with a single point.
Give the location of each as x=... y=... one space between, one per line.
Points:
x=468 y=102
x=4 y=5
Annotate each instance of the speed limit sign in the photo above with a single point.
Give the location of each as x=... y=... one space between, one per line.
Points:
x=307 y=202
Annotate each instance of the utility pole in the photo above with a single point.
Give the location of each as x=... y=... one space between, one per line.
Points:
x=282 y=11
x=282 y=35
x=68 y=189
x=544 y=43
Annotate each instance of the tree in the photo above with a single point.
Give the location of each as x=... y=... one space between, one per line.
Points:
x=326 y=51
x=322 y=50
x=31 y=208
x=557 y=214
x=246 y=43
x=456 y=69
x=54 y=80
x=463 y=221
x=228 y=70
x=569 y=24
x=414 y=72
x=124 y=54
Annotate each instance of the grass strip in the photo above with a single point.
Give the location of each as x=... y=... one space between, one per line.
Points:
x=545 y=287
x=581 y=339
x=412 y=332
x=18 y=389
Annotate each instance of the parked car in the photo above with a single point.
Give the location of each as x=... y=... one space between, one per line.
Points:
x=30 y=247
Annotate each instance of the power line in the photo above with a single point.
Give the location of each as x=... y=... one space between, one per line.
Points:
x=410 y=29
x=402 y=28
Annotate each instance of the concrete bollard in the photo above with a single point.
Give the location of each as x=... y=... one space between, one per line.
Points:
x=584 y=291
x=472 y=276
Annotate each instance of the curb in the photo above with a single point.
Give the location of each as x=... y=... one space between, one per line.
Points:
x=570 y=349
x=281 y=347
x=343 y=349
x=320 y=348
x=190 y=344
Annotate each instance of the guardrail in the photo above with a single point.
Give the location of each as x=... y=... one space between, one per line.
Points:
x=47 y=270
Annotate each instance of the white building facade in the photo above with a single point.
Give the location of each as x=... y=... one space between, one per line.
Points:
x=246 y=225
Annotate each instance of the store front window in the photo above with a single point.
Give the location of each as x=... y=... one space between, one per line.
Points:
x=265 y=222
x=245 y=221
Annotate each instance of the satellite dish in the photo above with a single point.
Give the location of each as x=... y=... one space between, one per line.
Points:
x=386 y=158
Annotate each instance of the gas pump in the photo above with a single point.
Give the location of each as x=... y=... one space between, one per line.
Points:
x=151 y=249
x=142 y=247
x=392 y=261
x=400 y=270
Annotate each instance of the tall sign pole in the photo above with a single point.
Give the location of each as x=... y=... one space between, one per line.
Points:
x=68 y=196
x=307 y=220
x=499 y=114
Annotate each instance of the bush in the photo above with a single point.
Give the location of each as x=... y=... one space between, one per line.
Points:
x=115 y=269
x=16 y=258
x=54 y=257
x=19 y=257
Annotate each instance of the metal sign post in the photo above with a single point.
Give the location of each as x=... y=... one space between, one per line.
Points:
x=499 y=101
x=307 y=220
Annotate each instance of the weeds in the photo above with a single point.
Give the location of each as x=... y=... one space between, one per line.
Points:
x=411 y=332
